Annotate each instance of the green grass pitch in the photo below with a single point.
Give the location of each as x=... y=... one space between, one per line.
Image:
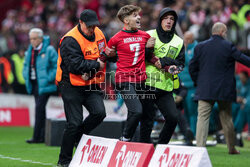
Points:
x=14 y=152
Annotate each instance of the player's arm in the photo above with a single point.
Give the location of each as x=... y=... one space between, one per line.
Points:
x=149 y=52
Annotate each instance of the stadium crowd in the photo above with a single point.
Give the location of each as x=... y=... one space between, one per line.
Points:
x=56 y=17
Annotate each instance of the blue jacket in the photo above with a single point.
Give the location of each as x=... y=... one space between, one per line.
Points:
x=184 y=75
x=212 y=69
x=46 y=65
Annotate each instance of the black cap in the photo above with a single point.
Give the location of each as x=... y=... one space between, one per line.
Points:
x=89 y=17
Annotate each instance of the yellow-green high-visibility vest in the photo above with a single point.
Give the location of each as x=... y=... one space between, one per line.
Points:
x=18 y=61
x=161 y=79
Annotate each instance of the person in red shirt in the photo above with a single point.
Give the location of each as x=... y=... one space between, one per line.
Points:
x=130 y=44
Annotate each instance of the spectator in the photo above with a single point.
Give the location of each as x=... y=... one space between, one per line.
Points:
x=197 y=17
x=78 y=57
x=179 y=97
x=242 y=17
x=242 y=107
x=220 y=14
x=18 y=83
x=212 y=70
x=56 y=17
x=39 y=73
x=190 y=106
x=118 y=97
x=6 y=76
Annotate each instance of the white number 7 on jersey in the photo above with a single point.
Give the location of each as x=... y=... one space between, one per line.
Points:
x=135 y=47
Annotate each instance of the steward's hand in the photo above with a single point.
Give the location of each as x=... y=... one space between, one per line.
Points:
x=85 y=76
x=173 y=70
x=101 y=64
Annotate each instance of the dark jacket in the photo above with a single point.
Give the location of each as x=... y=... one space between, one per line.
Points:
x=212 y=69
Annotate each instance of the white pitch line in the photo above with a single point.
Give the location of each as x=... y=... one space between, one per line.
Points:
x=28 y=161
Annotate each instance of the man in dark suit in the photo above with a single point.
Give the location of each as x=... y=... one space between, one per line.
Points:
x=212 y=70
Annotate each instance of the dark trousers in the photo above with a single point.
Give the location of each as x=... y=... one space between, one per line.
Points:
x=73 y=98
x=131 y=93
x=165 y=102
x=183 y=125
x=40 y=113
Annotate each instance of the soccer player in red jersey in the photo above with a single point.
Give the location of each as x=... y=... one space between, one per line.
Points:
x=130 y=43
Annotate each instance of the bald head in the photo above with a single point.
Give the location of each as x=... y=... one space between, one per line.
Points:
x=188 y=38
x=219 y=29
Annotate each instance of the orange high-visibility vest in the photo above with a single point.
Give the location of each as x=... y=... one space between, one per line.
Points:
x=90 y=50
x=7 y=73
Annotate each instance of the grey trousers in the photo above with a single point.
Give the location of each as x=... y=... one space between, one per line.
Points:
x=225 y=114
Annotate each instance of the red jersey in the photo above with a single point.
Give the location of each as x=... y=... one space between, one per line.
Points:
x=130 y=47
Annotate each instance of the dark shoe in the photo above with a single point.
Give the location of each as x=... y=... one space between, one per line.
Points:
x=220 y=138
x=124 y=139
x=239 y=141
x=32 y=141
x=62 y=165
x=189 y=135
x=234 y=151
x=188 y=143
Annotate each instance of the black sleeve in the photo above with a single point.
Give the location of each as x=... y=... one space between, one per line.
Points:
x=181 y=57
x=112 y=59
x=179 y=61
x=73 y=58
x=148 y=54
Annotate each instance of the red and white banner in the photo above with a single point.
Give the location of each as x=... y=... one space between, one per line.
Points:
x=93 y=151
x=14 y=117
x=180 y=156
x=128 y=154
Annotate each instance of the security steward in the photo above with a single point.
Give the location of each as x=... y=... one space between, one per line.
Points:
x=79 y=53
x=162 y=77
